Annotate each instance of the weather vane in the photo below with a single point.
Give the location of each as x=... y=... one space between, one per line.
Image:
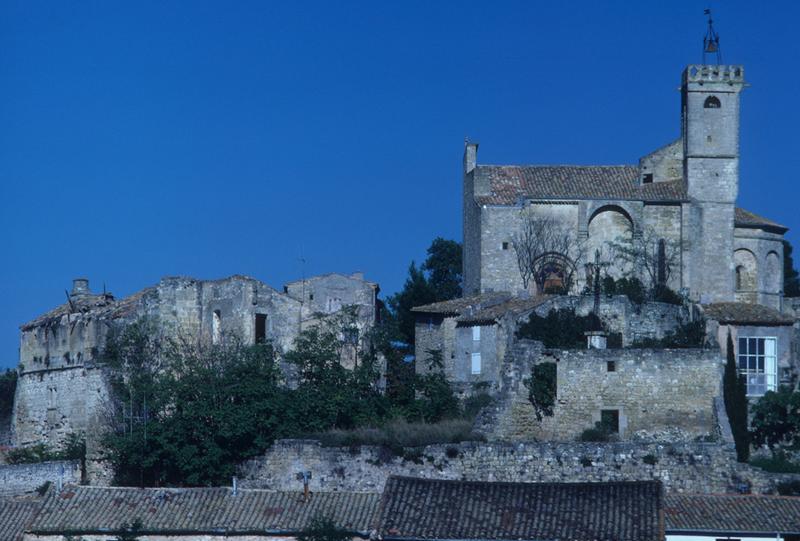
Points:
x=711 y=40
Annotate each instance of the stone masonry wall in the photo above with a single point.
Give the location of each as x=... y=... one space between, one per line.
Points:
x=687 y=467
x=655 y=392
x=21 y=479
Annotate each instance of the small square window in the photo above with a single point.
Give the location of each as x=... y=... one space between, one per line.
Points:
x=505 y=246
x=611 y=366
x=647 y=178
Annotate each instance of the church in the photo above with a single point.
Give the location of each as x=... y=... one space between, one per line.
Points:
x=671 y=220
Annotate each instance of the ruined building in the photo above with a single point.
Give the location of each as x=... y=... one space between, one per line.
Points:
x=61 y=387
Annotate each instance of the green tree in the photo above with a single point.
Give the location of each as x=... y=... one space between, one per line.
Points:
x=776 y=418
x=8 y=386
x=791 y=278
x=436 y=401
x=443 y=267
x=437 y=279
x=204 y=411
x=542 y=389
x=735 y=397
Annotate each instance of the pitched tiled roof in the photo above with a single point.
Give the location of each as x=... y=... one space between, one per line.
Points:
x=434 y=509
x=732 y=513
x=102 y=509
x=745 y=218
x=508 y=183
x=15 y=516
x=494 y=312
x=457 y=306
x=744 y=313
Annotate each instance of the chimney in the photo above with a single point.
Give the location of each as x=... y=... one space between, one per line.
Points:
x=305 y=476
x=470 y=156
x=80 y=286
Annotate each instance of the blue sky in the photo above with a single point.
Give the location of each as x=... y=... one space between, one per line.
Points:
x=144 y=139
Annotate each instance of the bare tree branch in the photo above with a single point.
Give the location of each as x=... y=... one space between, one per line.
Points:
x=544 y=243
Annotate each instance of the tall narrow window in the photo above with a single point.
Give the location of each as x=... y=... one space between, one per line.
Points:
x=476 y=363
x=476 y=333
x=261 y=328
x=216 y=327
x=739 y=277
x=758 y=363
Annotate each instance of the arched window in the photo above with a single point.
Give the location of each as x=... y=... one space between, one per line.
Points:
x=712 y=102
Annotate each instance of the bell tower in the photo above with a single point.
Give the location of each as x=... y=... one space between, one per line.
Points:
x=710 y=131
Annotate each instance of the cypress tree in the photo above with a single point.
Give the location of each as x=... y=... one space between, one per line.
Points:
x=734 y=390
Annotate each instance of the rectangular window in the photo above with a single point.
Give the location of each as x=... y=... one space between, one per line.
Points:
x=648 y=178
x=758 y=362
x=476 y=363
x=505 y=246
x=476 y=333
x=216 y=327
x=610 y=420
x=611 y=366
x=261 y=328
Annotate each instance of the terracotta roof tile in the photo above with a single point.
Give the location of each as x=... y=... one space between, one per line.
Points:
x=435 y=509
x=15 y=516
x=86 y=509
x=732 y=513
x=509 y=183
x=744 y=313
x=459 y=305
x=493 y=313
x=745 y=218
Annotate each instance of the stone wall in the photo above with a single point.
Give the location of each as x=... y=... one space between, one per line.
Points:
x=50 y=404
x=656 y=394
x=686 y=467
x=21 y=479
x=620 y=315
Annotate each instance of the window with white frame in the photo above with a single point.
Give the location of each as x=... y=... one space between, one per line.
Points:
x=758 y=363
x=476 y=362
x=476 y=333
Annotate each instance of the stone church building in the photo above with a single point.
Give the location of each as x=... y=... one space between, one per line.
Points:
x=677 y=204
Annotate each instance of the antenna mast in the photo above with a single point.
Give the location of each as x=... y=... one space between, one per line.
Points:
x=711 y=40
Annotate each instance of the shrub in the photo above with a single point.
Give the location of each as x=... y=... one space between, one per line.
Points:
x=41 y=490
x=599 y=433
x=688 y=335
x=30 y=454
x=776 y=418
x=789 y=488
x=399 y=434
x=560 y=328
x=323 y=529
x=662 y=293
x=777 y=463
x=650 y=459
x=475 y=403
x=631 y=288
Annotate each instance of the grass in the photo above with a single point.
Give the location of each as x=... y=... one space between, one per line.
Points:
x=398 y=433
